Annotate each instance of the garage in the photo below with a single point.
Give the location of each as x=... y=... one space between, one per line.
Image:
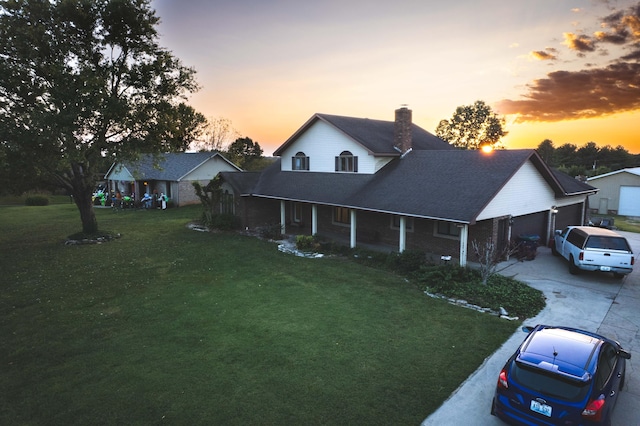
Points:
x=629 y=201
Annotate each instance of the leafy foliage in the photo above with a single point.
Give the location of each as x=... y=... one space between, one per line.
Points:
x=472 y=126
x=516 y=297
x=211 y=198
x=244 y=152
x=84 y=82
x=37 y=200
x=307 y=243
x=587 y=160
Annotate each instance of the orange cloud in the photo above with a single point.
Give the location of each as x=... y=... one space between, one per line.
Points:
x=549 y=54
x=579 y=43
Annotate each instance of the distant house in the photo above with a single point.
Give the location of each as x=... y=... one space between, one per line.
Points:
x=171 y=174
x=394 y=184
x=619 y=192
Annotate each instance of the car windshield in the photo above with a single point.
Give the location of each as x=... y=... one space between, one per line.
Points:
x=549 y=384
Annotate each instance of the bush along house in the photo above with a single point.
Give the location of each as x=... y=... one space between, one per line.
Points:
x=393 y=184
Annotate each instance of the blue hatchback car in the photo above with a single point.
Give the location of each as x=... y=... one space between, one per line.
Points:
x=561 y=376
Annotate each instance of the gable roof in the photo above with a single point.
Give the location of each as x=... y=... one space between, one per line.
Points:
x=169 y=166
x=420 y=184
x=632 y=170
x=376 y=136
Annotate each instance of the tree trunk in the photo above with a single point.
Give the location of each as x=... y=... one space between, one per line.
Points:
x=84 y=202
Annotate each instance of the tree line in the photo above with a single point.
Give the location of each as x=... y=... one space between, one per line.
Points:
x=587 y=160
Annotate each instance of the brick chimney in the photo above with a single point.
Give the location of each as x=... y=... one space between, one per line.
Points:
x=402 y=130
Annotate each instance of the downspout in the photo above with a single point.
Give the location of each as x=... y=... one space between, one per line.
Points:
x=282 y=217
x=352 y=213
x=464 y=237
x=403 y=234
x=314 y=219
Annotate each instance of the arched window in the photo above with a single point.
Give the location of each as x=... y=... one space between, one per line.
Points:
x=300 y=162
x=346 y=162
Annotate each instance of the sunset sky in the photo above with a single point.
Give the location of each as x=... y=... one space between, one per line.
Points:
x=564 y=70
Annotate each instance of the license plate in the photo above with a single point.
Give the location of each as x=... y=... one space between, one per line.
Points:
x=543 y=409
x=605 y=268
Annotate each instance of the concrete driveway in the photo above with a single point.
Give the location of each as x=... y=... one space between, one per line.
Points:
x=591 y=301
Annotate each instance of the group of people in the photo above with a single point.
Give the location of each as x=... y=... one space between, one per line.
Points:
x=122 y=201
x=154 y=201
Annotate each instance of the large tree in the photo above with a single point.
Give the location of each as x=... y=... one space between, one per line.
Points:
x=472 y=127
x=83 y=82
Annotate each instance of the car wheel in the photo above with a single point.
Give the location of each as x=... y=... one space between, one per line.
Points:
x=573 y=269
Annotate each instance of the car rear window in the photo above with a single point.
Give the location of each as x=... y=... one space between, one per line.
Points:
x=607 y=243
x=549 y=384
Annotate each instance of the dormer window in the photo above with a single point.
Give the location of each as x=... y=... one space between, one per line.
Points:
x=300 y=162
x=346 y=162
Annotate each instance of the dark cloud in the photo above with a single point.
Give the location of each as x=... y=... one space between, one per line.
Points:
x=594 y=92
x=566 y=95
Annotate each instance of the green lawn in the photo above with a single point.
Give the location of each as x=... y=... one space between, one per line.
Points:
x=171 y=326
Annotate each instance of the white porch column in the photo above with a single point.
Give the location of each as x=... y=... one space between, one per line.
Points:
x=464 y=237
x=403 y=234
x=314 y=219
x=352 y=213
x=283 y=217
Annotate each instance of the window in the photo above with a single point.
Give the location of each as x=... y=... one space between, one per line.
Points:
x=341 y=215
x=300 y=162
x=395 y=223
x=449 y=229
x=296 y=212
x=606 y=365
x=346 y=162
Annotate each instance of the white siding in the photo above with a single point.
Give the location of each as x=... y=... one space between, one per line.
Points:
x=527 y=192
x=120 y=173
x=209 y=170
x=322 y=143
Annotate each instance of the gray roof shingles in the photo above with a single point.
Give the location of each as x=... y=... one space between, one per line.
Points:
x=375 y=135
x=454 y=185
x=168 y=166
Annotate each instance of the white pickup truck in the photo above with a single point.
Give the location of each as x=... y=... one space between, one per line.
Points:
x=594 y=249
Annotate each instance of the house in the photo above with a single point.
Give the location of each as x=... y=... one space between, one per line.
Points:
x=394 y=184
x=619 y=192
x=169 y=173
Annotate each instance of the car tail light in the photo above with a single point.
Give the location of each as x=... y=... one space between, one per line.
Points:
x=502 y=379
x=581 y=256
x=594 y=409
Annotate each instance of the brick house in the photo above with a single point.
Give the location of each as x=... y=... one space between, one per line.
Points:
x=169 y=173
x=394 y=184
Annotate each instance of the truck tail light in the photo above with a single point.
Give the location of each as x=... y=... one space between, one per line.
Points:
x=632 y=260
x=581 y=256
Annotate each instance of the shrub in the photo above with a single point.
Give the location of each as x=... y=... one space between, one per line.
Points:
x=37 y=200
x=307 y=243
x=462 y=283
x=270 y=232
x=225 y=222
x=407 y=262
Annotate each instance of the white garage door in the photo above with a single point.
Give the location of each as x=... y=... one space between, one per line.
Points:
x=629 y=201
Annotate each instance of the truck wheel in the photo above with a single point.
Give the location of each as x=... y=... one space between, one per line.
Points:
x=573 y=269
x=553 y=250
